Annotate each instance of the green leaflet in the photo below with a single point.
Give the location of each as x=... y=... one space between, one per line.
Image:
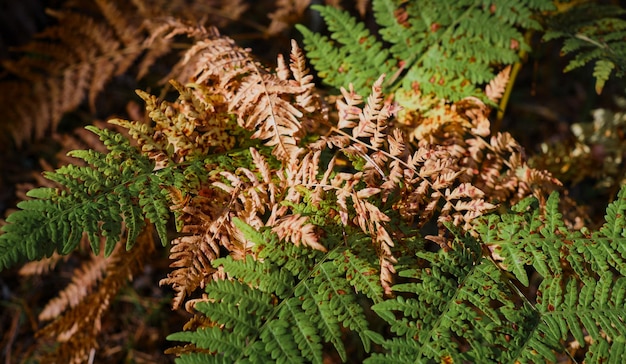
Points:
x=116 y=191
x=447 y=48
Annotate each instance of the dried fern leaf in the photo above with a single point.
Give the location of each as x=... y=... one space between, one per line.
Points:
x=77 y=329
x=262 y=101
x=73 y=60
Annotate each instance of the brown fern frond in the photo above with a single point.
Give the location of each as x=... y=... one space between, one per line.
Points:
x=72 y=60
x=494 y=165
x=84 y=279
x=76 y=330
x=286 y=14
x=192 y=256
x=205 y=220
x=298 y=230
x=496 y=87
x=263 y=101
x=41 y=267
x=309 y=103
x=207 y=223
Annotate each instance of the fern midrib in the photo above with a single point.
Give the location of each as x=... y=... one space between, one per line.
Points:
x=273 y=114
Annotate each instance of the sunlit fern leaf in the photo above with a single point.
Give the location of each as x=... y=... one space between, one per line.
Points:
x=584 y=282
x=360 y=273
x=117 y=190
x=446 y=47
x=587 y=307
x=346 y=31
x=459 y=295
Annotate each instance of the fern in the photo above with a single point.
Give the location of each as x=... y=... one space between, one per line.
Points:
x=583 y=277
x=118 y=191
x=75 y=59
x=319 y=233
x=463 y=305
x=447 y=48
x=271 y=310
x=592 y=33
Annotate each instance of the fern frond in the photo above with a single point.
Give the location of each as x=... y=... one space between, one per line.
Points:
x=74 y=60
x=592 y=32
x=582 y=288
x=77 y=329
x=464 y=305
x=83 y=281
x=338 y=65
x=268 y=309
x=421 y=34
x=262 y=100
x=117 y=189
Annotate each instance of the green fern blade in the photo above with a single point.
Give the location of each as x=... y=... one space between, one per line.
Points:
x=344 y=305
x=248 y=231
x=360 y=273
x=131 y=213
x=592 y=32
x=265 y=278
x=602 y=71
x=615 y=225
x=573 y=310
x=251 y=304
x=117 y=191
x=213 y=339
x=515 y=262
x=447 y=48
x=277 y=339
x=363 y=46
x=326 y=321
x=111 y=227
x=303 y=330
x=155 y=209
x=13 y=248
x=340 y=66
x=239 y=294
x=202 y=358
x=401 y=326
x=325 y=58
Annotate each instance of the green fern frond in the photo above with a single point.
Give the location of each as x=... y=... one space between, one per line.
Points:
x=465 y=305
x=583 y=277
x=447 y=48
x=589 y=310
x=272 y=314
x=118 y=191
x=592 y=33
x=344 y=64
x=448 y=310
